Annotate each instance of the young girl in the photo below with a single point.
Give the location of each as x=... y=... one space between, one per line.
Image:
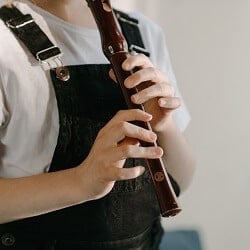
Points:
x=72 y=174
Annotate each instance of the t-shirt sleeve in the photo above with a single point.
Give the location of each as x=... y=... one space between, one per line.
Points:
x=154 y=39
x=3 y=108
x=181 y=115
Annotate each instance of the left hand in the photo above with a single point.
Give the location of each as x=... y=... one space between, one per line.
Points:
x=158 y=98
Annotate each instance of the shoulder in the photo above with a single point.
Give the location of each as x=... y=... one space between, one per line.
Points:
x=11 y=48
x=15 y=58
x=8 y=42
x=147 y=25
x=143 y=20
x=154 y=40
x=7 y=48
x=149 y=29
x=11 y=51
x=153 y=36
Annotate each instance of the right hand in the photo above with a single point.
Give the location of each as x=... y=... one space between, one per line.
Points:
x=115 y=142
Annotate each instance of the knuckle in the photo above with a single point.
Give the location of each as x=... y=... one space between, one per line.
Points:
x=161 y=88
x=136 y=114
x=137 y=111
x=129 y=114
x=127 y=151
x=146 y=92
x=101 y=132
x=156 y=74
x=127 y=173
x=141 y=132
x=120 y=113
x=122 y=126
x=121 y=174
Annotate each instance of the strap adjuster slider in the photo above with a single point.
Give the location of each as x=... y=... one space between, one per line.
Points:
x=134 y=49
x=50 y=53
x=19 y=22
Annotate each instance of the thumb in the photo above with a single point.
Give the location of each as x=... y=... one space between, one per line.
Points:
x=112 y=75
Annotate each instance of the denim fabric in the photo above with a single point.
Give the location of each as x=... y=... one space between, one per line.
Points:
x=126 y=218
x=86 y=103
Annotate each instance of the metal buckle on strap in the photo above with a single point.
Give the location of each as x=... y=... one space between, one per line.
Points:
x=42 y=49
x=41 y=55
x=134 y=49
x=19 y=22
x=125 y=20
x=53 y=61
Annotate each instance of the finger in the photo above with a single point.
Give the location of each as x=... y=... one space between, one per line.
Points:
x=112 y=75
x=116 y=174
x=131 y=141
x=156 y=90
x=118 y=128
x=129 y=115
x=125 y=115
x=125 y=129
x=170 y=103
x=138 y=60
x=143 y=75
x=118 y=153
x=133 y=151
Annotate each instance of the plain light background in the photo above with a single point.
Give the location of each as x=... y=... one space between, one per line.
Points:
x=209 y=43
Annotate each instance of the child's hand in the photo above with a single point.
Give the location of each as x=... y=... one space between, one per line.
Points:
x=116 y=142
x=159 y=98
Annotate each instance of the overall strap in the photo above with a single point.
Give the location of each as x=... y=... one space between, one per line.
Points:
x=40 y=46
x=44 y=51
x=35 y=40
x=25 y=28
x=131 y=31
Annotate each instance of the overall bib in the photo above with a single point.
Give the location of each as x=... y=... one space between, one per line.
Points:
x=128 y=217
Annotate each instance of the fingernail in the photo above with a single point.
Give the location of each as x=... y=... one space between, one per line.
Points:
x=135 y=99
x=162 y=102
x=125 y=65
x=126 y=83
x=158 y=151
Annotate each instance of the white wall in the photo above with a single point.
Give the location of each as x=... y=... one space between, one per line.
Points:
x=209 y=42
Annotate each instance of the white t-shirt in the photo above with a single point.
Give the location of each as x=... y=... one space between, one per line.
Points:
x=28 y=110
